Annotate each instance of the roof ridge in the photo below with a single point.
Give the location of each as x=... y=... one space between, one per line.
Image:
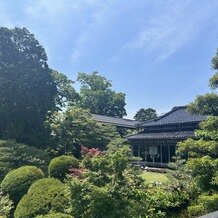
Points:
x=115 y=117
x=166 y=114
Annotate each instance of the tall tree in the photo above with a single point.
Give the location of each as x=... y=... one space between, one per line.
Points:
x=27 y=88
x=97 y=96
x=66 y=94
x=145 y=114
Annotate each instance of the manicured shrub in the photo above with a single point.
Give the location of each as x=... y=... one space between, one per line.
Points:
x=14 y=155
x=43 y=197
x=55 y=215
x=17 y=182
x=59 y=166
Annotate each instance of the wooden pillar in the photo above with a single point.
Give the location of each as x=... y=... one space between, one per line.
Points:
x=153 y=153
x=131 y=150
x=161 y=160
x=168 y=153
x=139 y=150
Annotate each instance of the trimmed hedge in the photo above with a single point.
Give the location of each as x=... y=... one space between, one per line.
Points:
x=55 y=215
x=43 y=197
x=59 y=166
x=14 y=155
x=17 y=182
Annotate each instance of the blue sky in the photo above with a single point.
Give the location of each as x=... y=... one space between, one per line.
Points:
x=157 y=52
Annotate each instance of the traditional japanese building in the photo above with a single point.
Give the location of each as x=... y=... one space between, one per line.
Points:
x=157 y=139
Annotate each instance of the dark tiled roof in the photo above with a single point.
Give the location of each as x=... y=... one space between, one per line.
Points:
x=120 y=122
x=180 y=135
x=177 y=115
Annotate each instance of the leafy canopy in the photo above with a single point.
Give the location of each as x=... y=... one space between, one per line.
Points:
x=27 y=88
x=66 y=94
x=76 y=127
x=97 y=96
x=145 y=114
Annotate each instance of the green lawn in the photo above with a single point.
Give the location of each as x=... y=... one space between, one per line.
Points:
x=155 y=177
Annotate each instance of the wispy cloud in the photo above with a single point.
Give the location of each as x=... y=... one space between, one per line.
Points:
x=97 y=18
x=53 y=10
x=174 y=24
x=89 y=13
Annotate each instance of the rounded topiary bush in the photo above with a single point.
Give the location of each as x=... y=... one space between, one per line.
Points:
x=55 y=215
x=59 y=166
x=17 y=182
x=43 y=197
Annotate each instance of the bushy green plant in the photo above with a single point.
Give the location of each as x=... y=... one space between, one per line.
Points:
x=59 y=166
x=55 y=215
x=210 y=202
x=111 y=187
x=204 y=204
x=17 y=182
x=5 y=205
x=14 y=155
x=43 y=197
x=76 y=127
x=196 y=210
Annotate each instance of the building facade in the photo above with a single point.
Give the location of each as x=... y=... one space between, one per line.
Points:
x=156 y=141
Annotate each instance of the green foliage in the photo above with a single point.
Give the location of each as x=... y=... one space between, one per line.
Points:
x=202 y=152
x=145 y=114
x=97 y=96
x=55 y=215
x=181 y=188
x=196 y=210
x=43 y=197
x=204 y=169
x=204 y=204
x=17 y=182
x=59 y=166
x=214 y=81
x=111 y=187
x=76 y=127
x=215 y=61
x=14 y=155
x=66 y=94
x=5 y=205
x=205 y=104
x=27 y=89
x=203 y=155
x=210 y=202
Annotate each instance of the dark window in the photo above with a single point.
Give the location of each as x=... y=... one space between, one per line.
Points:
x=172 y=152
x=165 y=154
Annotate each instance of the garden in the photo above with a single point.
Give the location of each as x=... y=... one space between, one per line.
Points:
x=57 y=161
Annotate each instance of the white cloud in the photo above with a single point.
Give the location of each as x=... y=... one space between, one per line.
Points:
x=173 y=25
